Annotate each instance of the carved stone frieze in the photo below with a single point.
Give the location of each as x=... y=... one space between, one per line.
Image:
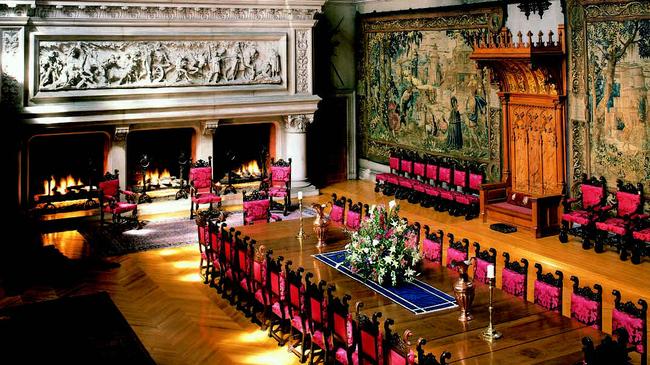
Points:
x=606 y=11
x=303 y=53
x=440 y=22
x=209 y=127
x=298 y=123
x=65 y=65
x=16 y=10
x=172 y=13
x=120 y=133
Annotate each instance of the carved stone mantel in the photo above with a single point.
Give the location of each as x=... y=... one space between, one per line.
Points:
x=298 y=123
x=120 y=133
x=209 y=127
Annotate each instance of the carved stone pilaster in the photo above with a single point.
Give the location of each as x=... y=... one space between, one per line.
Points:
x=303 y=61
x=298 y=123
x=209 y=127
x=120 y=133
x=12 y=67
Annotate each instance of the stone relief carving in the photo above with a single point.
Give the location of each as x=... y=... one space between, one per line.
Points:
x=11 y=86
x=150 y=13
x=298 y=123
x=80 y=65
x=302 y=61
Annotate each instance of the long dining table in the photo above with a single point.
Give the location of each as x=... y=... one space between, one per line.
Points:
x=531 y=334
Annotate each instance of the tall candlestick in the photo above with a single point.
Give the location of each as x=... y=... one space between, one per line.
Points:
x=490 y=333
x=301 y=232
x=490 y=271
x=300 y=195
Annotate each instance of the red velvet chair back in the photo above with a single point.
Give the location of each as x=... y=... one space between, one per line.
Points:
x=275 y=281
x=432 y=170
x=280 y=173
x=110 y=189
x=201 y=178
x=295 y=288
x=432 y=245
x=316 y=306
x=338 y=209
x=634 y=320
x=460 y=177
x=260 y=262
x=483 y=259
x=587 y=304
x=397 y=349
x=629 y=199
x=257 y=207
x=514 y=276
x=457 y=250
x=475 y=181
x=353 y=216
x=419 y=169
x=406 y=164
x=341 y=324
x=444 y=174
x=393 y=162
x=369 y=337
x=548 y=289
x=593 y=192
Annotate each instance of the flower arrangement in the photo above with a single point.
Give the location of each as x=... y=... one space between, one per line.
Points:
x=385 y=248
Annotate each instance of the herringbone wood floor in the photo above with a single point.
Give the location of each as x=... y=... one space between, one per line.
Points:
x=182 y=321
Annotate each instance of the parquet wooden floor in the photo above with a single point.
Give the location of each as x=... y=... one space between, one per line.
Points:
x=182 y=321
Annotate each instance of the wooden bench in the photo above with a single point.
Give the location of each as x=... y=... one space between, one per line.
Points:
x=538 y=214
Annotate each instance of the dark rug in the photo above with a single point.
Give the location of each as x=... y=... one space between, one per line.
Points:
x=107 y=241
x=87 y=329
x=417 y=296
x=503 y=228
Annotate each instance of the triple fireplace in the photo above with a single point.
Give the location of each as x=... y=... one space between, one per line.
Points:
x=64 y=169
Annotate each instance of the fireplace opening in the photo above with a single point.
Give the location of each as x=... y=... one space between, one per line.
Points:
x=163 y=149
x=64 y=169
x=241 y=152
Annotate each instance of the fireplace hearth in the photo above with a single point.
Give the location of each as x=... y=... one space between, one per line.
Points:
x=246 y=151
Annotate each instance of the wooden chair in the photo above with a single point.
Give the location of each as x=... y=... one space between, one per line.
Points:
x=431 y=189
x=430 y=359
x=276 y=288
x=242 y=273
x=388 y=182
x=202 y=189
x=468 y=200
x=397 y=349
x=587 y=304
x=227 y=279
x=514 y=276
x=206 y=251
x=342 y=328
x=279 y=184
x=457 y=250
x=616 y=230
x=337 y=209
x=216 y=242
x=262 y=303
x=369 y=337
x=548 y=289
x=432 y=245
x=640 y=246
x=295 y=291
x=257 y=208
x=483 y=259
x=634 y=321
x=353 y=216
x=582 y=210
x=609 y=351
x=110 y=201
x=317 y=319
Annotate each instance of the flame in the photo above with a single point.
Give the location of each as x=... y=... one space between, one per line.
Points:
x=50 y=185
x=249 y=168
x=155 y=176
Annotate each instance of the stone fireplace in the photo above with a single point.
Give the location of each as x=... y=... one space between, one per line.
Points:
x=245 y=149
x=176 y=72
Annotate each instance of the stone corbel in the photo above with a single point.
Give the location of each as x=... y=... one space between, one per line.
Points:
x=298 y=123
x=120 y=133
x=208 y=127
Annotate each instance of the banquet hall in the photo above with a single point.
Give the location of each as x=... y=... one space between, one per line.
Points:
x=326 y=181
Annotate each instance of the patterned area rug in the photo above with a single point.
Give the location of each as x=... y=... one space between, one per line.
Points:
x=87 y=329
x=106 y=241
x=418 y=297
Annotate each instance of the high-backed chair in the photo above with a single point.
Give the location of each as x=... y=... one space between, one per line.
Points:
x=296 y=304
x=514 y=276
x=342 y=328
x=587 y=304
x=548 y=289
x=110 y=202
x=279 y=183
x=616 y=230
x=202 y=189
x=431 y=189
x=609 y=351
x=279 y=313
x=430 y=359
x=457 y=250
x=388 y=182
x=369 y=337
x=257 y=208
x=262 y=303
x=205 y=247
x=635 y=321
x=468 y=201
x=397 y=349
x=244 y=254
x=317 y=319
x=483 y=259
x=432 y=244
x=337 y=211
x=640 y=246
x=583 y=210
x=353 y=216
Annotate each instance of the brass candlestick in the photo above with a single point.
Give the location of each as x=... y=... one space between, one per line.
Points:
x=490 y=333
x=301 y=232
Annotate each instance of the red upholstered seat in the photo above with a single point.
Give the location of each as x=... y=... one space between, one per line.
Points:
x=342 y=357
x=618 y=226
x=202 y=188
x=642 y=235
x=278 y=191
x=633 y=325
x=546 y=295
x=353 y=220
x=581 y=217
x=206 y=198
x=455 y=255
x=336 y=214
x=585 y=310
x=431 y=250
x=110 y=201
x=513 y=282
x=584 y=210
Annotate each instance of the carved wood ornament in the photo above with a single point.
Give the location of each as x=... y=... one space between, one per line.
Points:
x=530 y=75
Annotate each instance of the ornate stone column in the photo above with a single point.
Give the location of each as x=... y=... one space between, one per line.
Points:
x=205 y=140
x=295 y=127
x=117 y=154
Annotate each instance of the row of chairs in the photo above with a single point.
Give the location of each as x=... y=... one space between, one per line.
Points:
x=296 y=311
x=586 y=303
x=443 y=183
x=618 y=222
x=349 y=218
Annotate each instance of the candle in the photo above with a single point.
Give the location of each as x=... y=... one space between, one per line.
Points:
x=391 y=204
x=490 y=271
x=300 y=195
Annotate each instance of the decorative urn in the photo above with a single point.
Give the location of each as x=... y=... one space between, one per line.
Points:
x=321 y=224
x=464 y=289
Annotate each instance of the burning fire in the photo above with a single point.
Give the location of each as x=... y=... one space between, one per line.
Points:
x=155 y=176
x=50 y=186
x=249 y=169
